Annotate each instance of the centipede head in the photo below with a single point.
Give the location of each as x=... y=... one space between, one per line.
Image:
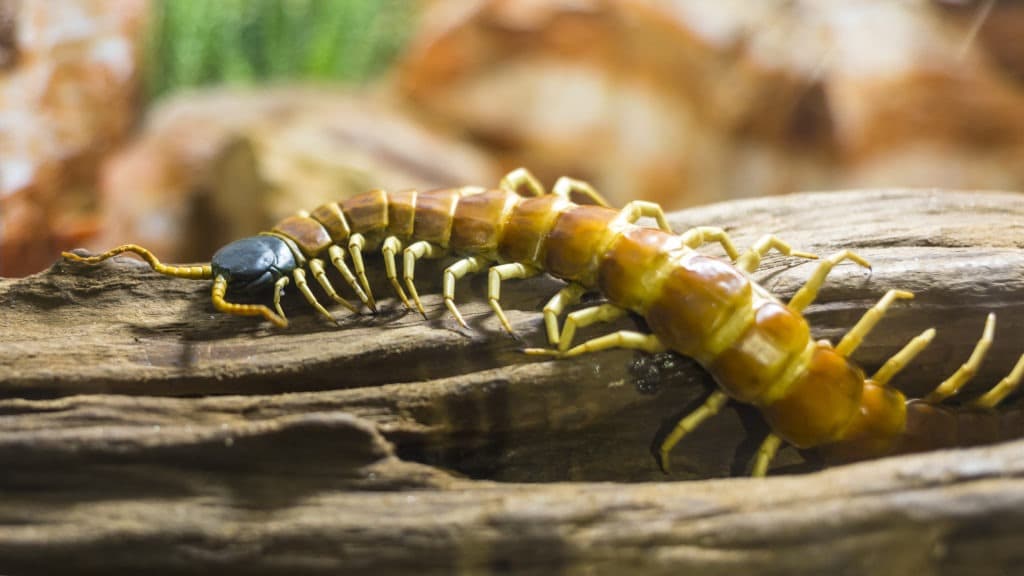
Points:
x=253 y=265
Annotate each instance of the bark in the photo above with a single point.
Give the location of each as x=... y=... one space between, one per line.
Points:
x=139 y=429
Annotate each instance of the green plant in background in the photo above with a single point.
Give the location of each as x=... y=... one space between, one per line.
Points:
x=202 y=42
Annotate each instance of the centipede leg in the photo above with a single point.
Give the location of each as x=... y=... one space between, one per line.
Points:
x=895 y=364
x=765 y=454
x=337 y=256
x=700 y=235
x=966 y=372
x=494 y=278
x=356 y=242
x=566 y=297
x=519 y=178
x=389 y=249
x=411 y=254
x=586 y=317
x=565 y=186
x=993 y=397
x=316 y=266
x=853 y=339
x=626 y=339
x=751 y=259
x=456 y=271
x=688 y=424
x=638 y=209
x=300 y=282
x=809 y=291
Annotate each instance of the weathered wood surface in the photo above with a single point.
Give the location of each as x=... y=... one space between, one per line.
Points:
x=139 y=430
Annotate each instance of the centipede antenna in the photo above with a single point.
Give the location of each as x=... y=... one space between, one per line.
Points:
x=855 y=336
x=899 y=360
x=192 y=272
x=965 y=372
x=993 y=397
x=220 y=287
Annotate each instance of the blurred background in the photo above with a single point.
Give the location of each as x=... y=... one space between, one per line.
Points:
x=183 y=124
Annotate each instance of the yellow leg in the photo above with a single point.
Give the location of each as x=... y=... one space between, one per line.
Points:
x=278 y=290
x=1001 y=390
x=356 y=242
x=765 y=454
x=494 y=278
x=220 y=287
x=455 y=272
x=411 y=254
x=565 y=186
x=751 y=259
x=300 y=282
x=967 y=371
x=389 y=249
x=567 y=296
x=626 y=339
x=337 y=256
x=586 y=317
x=688 y=424
x=700 y=235
x=316 y=266
x=856 y=335
x=520 y=177
x=638 y=209
x=196 y=272
x=803 y=298
x=899 y=360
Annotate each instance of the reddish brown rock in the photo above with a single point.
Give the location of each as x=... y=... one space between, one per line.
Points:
x=68 y=83
x=686 y=102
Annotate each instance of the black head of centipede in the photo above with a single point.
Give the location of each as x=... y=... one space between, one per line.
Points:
x=253 y=265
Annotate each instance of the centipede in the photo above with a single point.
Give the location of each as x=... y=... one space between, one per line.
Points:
x=757 y=348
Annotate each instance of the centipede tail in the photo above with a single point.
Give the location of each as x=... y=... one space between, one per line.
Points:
x=758 y=349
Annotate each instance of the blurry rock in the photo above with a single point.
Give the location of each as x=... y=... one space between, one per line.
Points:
x=686 y=102
x=995 y=26
x=68 y=82
x=211 y=167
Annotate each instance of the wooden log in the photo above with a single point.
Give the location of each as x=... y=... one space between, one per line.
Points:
x=140 y=428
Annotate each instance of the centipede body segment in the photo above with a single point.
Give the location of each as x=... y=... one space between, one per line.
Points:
x=758 y=349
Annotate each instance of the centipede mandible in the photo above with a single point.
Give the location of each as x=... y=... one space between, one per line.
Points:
x=758 y=349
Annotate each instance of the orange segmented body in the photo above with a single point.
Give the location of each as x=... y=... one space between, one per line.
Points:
x=758 y=349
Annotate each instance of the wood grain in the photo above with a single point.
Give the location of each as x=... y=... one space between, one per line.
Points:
x=140 y=429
